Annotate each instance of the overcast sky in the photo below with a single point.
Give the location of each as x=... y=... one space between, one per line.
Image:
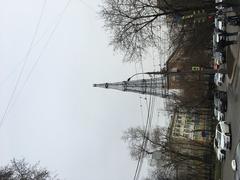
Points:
x=49 y=110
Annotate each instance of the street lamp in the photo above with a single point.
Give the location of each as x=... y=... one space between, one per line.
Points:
x=184 y=72
x=148 y=73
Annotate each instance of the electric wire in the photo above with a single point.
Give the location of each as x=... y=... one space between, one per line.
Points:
x=47 y=42
x=44 y=48
x=140 y=99
x=144 y=143
x=42 y=36
x=88 y=6
x=146 y=131
x=24 y=64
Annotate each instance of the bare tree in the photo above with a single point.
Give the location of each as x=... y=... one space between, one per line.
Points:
x=136 y=25
x=173 y=152
x=161 y=173
x=22 y=170
x=158 y=140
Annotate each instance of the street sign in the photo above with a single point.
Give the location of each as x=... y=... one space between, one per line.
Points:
x=196 y=68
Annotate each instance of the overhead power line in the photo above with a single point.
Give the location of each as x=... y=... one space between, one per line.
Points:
x=42 y=36
x=13 y=94
x=88 y=6
x=144 y=142
x=60 y=16
x=24 y=64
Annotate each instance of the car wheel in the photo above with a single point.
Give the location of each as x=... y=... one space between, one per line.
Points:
x=223 y=152
x=223 y=78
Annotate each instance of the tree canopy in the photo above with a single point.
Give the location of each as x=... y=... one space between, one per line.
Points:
x=22 y=170
x=136 y=25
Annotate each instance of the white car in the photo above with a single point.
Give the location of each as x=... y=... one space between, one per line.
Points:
x=218 y=36
x=222 y=140
x=219 y=115
x=220 y=23
x=221 y=154
x=219 y=58
x=236 y=163
x=219 y=79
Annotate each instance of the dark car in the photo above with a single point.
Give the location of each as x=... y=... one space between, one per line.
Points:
x=221 y=95
x=224 y=4
x=220 y=101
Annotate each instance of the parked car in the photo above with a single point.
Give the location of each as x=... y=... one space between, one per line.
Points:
x=221 y=95
x=236 y=163
x=220 y=116
x=219 y=35
x=219 y=58
x=218 y=42
x=221 y=19
x=222 y=139
x=220 y=22
x=216 y=66
x=219 y=79
x=233 y=20
x=220 y=102
x=224 y=4
x=220 y=105
x=221 y=154
x=211 y=87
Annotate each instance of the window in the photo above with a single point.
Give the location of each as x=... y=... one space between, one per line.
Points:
x=216 y=143
x=219 y=128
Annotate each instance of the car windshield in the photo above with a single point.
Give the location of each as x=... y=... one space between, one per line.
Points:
x=215 y=22
x=217 y=107
x=218 y=136
x=217 y=37
x=218 y=54
x=219 y=130
x=216 y=143
x=215 y=77
x=215 y=112
x=220 y=24
x=216 y=103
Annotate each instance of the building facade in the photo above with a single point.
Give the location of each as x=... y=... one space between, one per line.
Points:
x=194 y=126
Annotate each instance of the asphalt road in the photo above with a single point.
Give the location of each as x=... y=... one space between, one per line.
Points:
x=232 y=86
